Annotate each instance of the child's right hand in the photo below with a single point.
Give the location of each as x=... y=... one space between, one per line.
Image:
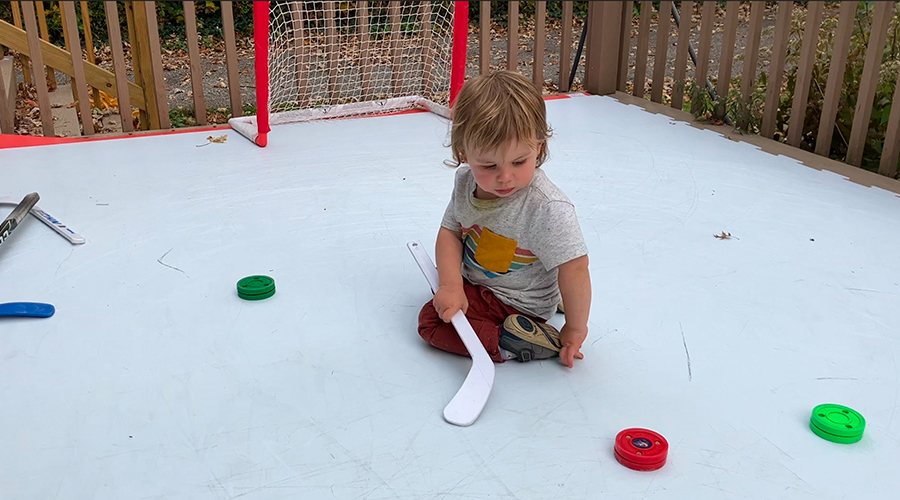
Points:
x=449 y=299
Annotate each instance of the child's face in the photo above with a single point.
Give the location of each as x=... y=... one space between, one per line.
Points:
x=502 y=172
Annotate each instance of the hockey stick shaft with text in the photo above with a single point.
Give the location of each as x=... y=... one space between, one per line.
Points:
x=51 y=221
x=18 y=213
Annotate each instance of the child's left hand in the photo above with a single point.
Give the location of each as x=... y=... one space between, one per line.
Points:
x=572 y=338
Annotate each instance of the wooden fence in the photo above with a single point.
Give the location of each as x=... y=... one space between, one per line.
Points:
x=28 y=36
x=884 y=13
x=616 y=55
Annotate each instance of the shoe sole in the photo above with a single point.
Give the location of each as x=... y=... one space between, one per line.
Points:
x=532 y=332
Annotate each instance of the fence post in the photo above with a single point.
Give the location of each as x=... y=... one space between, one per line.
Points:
x=146 y=56
x=602 y=64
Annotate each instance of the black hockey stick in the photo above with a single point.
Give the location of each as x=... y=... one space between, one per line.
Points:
x=18 y=213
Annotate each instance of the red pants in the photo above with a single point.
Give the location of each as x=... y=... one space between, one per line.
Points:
x=486 y=313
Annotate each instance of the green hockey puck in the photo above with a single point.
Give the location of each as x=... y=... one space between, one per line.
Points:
x=833 y=438
x=837 y=423
x=259 y=296
x=256 y=285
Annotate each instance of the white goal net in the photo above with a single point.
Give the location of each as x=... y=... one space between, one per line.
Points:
x=335 y=59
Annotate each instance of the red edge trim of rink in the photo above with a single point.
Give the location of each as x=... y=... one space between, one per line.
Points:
x=10 y=141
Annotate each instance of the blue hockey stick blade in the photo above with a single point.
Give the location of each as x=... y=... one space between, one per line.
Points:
x=27 y=309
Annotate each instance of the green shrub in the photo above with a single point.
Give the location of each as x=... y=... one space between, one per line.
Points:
x=748 y=116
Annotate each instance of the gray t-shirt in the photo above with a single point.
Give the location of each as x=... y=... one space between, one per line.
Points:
x=513 y=245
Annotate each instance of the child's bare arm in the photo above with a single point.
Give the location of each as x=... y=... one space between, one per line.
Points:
x=451 y=296
x=575 y=287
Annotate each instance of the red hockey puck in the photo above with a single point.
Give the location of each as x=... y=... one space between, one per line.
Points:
x=641 y=449
x=637 y=466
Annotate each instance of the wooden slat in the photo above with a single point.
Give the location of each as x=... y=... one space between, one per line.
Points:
x=863 y=111
x=23 y=59
x=159 y=85
x=640 y=59
x=129 y=17
x=45 y=35
x=624 y=45
x=804 y=73
x=727 y=58
x=776 y=69
x=156 y=63
x=484 y=37
x=751 y=56
x=565 y=47
x=148 y=117
x=147 y=57
x=707 y=20
x=115 y=42
x=835 y=84
x=7 y=108
x=890 y=154
x=365 y=47
x=681 y=54
x=512 y=42
x=190 y=27
x=396 y=64
x=231 y=62
x=67 y=44
x=84 y=107
x=7 y=118
x=540 y=35
x=662 y=48
x=89 y=45
x=144 y=122
x=37 y=61
x=428 y=49
x=59 y=59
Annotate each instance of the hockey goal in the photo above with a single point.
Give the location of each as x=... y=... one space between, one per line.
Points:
x=321 y=60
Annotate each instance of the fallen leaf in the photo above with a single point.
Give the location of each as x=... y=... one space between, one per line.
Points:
x=221 y=139
x=723 y=236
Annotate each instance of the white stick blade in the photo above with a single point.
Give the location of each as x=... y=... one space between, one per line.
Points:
x=470 y=400
x=472 y=396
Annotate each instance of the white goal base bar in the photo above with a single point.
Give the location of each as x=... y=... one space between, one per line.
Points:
x=247 y=125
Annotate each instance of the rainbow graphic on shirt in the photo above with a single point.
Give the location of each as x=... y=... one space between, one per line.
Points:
x=492 y=254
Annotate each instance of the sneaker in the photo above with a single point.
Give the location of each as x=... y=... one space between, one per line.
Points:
x=528 y=339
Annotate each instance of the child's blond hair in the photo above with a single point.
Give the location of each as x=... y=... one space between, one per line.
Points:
x=492 y=110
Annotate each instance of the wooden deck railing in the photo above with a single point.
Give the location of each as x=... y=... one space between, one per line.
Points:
x=609 y=64
x=884 y=13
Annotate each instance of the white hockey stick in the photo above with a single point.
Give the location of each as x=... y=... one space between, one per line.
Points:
x=466 y=406
x=64 y=230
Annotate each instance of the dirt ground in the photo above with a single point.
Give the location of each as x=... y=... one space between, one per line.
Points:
x=215 y=80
